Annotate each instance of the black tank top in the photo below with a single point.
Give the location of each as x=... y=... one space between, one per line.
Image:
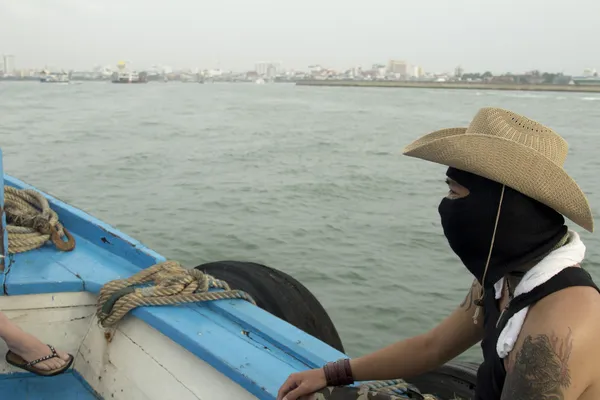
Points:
x=491 y=373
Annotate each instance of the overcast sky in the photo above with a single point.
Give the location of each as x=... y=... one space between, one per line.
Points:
x=500 y=36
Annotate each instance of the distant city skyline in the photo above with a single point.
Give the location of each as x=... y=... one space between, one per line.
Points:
x=25 y=62
x=497 y=36
x=10 y=61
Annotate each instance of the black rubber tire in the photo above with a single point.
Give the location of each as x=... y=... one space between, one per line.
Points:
x=454 y=380
x=279 y=294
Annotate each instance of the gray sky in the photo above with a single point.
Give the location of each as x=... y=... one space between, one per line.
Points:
x=500 y=36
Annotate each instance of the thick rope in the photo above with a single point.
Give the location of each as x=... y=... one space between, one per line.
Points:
x=31 y=222
x=397 y=387
x=172 y=285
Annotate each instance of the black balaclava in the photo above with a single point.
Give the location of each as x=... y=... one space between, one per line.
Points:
x=527 y=229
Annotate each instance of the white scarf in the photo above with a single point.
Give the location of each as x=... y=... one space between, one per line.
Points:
x=570 y=254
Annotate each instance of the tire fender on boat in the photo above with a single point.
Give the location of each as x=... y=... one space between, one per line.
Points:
x=279 y=294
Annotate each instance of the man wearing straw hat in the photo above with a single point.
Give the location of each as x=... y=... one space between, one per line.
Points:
x=532 y=306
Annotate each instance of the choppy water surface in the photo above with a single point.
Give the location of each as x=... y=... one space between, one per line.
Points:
x=307 y=180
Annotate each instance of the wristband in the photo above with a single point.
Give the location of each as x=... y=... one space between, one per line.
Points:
x=338 y=373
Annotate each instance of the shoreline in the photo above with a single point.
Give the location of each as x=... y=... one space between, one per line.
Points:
x=453 y=85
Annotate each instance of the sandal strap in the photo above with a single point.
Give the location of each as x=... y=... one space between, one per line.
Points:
x=39 y=360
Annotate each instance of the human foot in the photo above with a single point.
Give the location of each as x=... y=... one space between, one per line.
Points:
x=29 y=348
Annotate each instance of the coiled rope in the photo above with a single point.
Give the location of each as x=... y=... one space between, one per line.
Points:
x=171 y=285
x=31 y=222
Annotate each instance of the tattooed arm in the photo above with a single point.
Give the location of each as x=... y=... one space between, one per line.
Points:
x=555 y=357
x=458 y=332
x=541 y=368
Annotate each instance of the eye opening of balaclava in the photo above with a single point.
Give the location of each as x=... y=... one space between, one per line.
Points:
x=495 y=226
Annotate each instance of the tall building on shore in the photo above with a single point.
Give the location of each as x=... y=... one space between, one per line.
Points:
x=458 y=71
x=403 y=69
x=418 y=71
x=8 y=64
x=269 y=69
x=398 y=67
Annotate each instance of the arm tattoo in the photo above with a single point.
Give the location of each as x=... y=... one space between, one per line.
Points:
x=468 y=301
x=541 y=369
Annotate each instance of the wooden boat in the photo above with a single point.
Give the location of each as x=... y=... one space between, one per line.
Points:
x=218 y=350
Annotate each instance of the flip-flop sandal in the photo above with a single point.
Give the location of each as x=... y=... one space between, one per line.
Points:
x=19 y=362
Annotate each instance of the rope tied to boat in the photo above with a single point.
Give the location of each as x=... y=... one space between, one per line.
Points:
x=397 y=387
x=31 y=222
x=172 y=285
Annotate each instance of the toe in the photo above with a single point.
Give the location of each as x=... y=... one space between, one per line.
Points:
x=44 y=366
x=64 y=356
x=53 y=363
x=56 y=363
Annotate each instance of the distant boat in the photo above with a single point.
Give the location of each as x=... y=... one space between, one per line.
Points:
x=586 y=80
x=48 y=77
x=191 y=78
x=124 y=75
x=590 y=77
x=129 y=77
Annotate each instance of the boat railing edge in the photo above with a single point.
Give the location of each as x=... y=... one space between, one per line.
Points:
x=95 y=230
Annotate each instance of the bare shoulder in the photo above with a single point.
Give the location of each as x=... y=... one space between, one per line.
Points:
x=556 y=355
x=579 y=305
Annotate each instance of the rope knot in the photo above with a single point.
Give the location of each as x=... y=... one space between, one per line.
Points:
x=44 y=224
x=166 y=283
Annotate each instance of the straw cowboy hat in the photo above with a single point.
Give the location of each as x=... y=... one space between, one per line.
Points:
x=513 y=150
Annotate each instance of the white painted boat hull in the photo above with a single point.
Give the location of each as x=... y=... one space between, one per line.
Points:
x=138 y=363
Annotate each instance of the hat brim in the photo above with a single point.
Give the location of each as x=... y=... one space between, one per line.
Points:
x=507 y=162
